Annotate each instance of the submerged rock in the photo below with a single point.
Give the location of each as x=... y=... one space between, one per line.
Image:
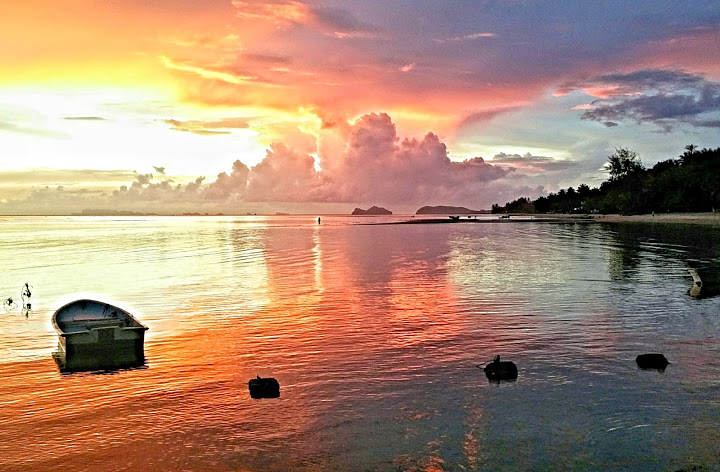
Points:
x=264 y=388
x=652 y=361
x=497 y=370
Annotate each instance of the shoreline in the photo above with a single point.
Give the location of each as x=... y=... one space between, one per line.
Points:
x=707 y=219
x=704 y=219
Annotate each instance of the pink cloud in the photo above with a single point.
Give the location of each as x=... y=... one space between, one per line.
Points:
x=284 y=175
x=696 y=52
x=366 y=162
x=376 y=165
x=362 y=161
x=226 y=185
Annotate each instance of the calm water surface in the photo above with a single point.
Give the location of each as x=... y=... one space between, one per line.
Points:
x=374 y=333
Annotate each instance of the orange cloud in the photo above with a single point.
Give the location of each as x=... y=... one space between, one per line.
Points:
x=279 y=12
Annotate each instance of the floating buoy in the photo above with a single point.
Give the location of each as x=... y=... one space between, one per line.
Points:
x=497 y=370
x=264 y=387
x=652 y=361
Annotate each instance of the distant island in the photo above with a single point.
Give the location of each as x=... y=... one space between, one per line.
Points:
x=373 y=210
x=103 y=212
x=448 y=210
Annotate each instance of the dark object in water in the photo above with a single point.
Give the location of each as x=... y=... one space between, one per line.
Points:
x=264 y=388
x=504 y=370
x=652 y=361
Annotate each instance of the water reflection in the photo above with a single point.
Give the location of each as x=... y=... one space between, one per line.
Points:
x=374 y=333
x=637 y=246
x=112 y=361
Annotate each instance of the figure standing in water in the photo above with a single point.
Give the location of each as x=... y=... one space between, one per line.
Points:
x=25 y=293
x=318 y=220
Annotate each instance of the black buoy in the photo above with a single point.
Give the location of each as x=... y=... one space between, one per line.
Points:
x=264 y=388
x=652 y=361
x=504 y=370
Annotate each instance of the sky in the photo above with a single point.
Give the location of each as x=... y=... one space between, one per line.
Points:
x=308 y=106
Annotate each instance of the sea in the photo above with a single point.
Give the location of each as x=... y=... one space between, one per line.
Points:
x=377 y=333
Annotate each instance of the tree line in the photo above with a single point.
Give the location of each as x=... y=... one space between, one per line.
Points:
x=690 y=183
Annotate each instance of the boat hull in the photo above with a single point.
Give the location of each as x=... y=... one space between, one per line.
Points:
x=706 y=282
x=97 y=336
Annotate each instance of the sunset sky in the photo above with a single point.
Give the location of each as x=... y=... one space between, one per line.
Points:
x=323 y=105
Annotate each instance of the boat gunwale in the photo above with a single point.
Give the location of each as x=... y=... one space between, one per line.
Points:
x=65 y=334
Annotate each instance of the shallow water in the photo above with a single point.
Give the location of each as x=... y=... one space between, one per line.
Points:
x=374 y=333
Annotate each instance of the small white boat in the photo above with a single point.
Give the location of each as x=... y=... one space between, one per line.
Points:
x=98 y=335
x=706 y=281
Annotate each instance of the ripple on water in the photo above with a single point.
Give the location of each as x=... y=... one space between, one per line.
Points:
x=375 y=334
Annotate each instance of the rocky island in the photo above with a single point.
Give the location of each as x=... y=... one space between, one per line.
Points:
x=373 y=210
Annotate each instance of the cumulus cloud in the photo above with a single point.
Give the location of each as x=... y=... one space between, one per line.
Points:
x=377 y=165
x=232 y=185
x=284 y=175
x=665 y=98
x=368 y=162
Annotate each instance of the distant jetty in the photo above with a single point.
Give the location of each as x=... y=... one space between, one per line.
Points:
x=373 y=210
x=449 y=210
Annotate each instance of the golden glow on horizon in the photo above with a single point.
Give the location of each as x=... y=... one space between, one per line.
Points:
x=115 y=128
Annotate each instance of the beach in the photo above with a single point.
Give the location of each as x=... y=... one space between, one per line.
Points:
x=677 y=218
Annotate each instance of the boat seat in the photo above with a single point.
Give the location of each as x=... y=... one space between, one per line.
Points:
x=96 y=323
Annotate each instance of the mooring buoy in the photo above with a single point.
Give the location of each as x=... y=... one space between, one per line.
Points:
x=652 y=361
x=264 y=387
x=501 y=370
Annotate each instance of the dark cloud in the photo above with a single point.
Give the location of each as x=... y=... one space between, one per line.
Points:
x=84 y=118
x=530 y=163
x=487 y=115
x=267 y=58
x=341 y=23
x=661 y=97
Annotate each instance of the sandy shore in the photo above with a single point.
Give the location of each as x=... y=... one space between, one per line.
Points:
x=710 y=219
x=677 y=218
